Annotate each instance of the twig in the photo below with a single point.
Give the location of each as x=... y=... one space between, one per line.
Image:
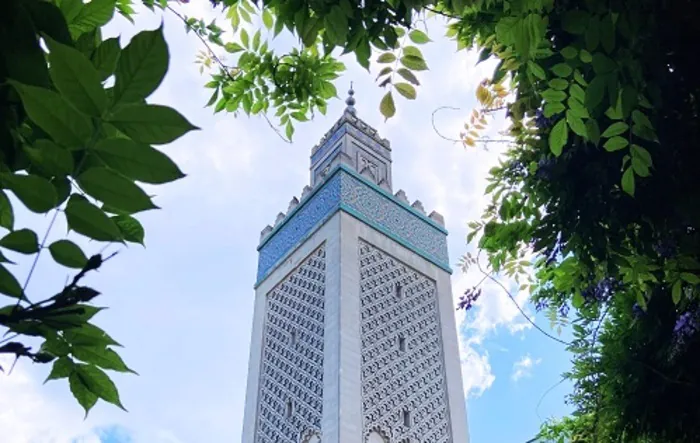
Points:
x=224 y=68
x=432 y=118
x=490 y=277
x=454 y=140
x=539 y=403
x=444 y=14
x=36 y=257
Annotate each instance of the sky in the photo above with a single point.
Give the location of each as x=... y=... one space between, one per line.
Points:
x=182 y=306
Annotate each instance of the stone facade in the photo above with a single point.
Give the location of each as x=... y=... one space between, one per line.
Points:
x=354 y=337
x=291 y=382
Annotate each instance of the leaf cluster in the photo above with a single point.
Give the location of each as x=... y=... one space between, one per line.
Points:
x=76 y=140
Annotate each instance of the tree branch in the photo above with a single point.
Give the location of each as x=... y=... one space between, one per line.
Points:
x=490 y=277
x=223 y=67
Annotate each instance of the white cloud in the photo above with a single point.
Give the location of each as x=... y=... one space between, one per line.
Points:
x=523 y=367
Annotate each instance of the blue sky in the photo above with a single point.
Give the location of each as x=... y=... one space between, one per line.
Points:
x=182 y=307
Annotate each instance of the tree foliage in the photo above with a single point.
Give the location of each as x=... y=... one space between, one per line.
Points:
x=599 y=184
x=73 y=146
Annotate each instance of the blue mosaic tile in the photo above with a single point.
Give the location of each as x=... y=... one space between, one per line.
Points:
x=345 y=190
x=302 y=222
x=394 y=218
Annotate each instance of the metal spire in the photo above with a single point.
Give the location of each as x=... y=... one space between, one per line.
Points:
x=350 y=101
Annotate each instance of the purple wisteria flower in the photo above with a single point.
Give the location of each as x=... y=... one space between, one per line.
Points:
x=467 y=300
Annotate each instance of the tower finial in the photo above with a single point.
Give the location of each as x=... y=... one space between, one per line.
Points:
x=350 y=101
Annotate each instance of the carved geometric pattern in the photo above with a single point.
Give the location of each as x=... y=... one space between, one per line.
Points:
x=346 y=190
x=291 y=375
x=402 y=353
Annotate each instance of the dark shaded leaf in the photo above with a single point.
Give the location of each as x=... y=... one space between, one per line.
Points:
x=89 y=220
x=141 y=67
x=76 y=78
x=62 y=368
x=68 y=254
x=37 y=193
x=54 y=115
x=150 y=124
x=22 y=240
x=137 y=161
x=115 y=190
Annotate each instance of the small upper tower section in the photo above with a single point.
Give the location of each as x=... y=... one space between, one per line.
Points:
x=354 y=143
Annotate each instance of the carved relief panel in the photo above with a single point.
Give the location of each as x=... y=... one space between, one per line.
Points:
x=291 y=379
x=403 y=381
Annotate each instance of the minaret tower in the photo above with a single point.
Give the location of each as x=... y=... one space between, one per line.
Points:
x=354 y=337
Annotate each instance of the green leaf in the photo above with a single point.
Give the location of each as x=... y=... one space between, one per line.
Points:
x=676 y=292
x=551 y=109
x=550 y=95
x=233 y=48
x=413 y=50
x=578 y=300
x=89 y=220
x=137 y=161
x=639 y=118
x=414 y=63
x=88 y=335
x=628 y=181
x=558 y=137
x=76 y=78
x=67 y=253
x=7 y=215
x=151 y=124
x=56 y=346
x=577 y=93
x=267 y=18
x=387 y=107
x=607 y=33
x=91 y=16
x=593 y=131
x=569 y=52
x=593 y=34
x=536 y=70
x=130 y=228
x=575 y=22
x=562 y=70
x=106 y=57
x=62 y=368
x=387 y=57
x=690 y=278
x=141 y=68
x=629 y=100
x=81 y=391
x=99 y=383
x=406 y=90
x=419 y=37
x=54 y=115
x=336 y=26
x=22 y=240
x=595 y=92
x=576 y=124
x=642 y=154
x=37 y=193
x=50 y=158
x=558 y=83
x=114 y=190
x=585 y=56
x=616 y=128
x=615 y=144
x=602 y=64
x=639 y=167
x=256 y=40
x=103 y=357
x=9 y=284
x=289 y=130
x=245 y=38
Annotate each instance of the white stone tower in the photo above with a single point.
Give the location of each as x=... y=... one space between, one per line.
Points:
x=354 y=337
